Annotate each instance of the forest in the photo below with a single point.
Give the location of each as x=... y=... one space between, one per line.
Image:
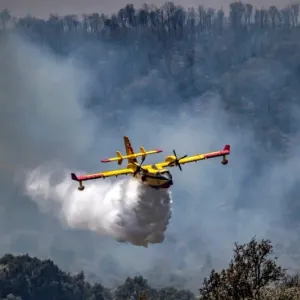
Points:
x=200 y=50
x=252 y=274
x=250 y=61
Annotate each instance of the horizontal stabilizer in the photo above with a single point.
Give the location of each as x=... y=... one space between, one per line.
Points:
x=119 y=158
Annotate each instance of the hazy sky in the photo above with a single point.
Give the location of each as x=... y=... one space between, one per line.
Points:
x=213 y=206
x=42 y=8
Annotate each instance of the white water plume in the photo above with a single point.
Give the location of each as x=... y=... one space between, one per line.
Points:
x=126 y=210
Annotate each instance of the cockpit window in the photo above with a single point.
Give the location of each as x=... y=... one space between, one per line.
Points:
x=154 y=167
x=163 y=173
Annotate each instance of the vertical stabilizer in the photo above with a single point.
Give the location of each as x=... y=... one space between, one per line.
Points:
x=129 y=150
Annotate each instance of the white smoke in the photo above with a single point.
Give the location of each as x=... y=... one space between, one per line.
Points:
x=126 y=210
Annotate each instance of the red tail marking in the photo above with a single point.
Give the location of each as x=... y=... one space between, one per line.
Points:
x=130 y=148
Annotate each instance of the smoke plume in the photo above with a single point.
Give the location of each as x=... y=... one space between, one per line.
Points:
x=125 y=210
x=46 y=128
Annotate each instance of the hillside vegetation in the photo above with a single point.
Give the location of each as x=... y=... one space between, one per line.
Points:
x=253 y=273
x=250 y=61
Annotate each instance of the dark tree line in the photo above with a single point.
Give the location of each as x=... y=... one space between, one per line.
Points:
x=250 y=60
x=253 y=273
x=29 y=278
x=183 y=39
x=240 y=58
x=168 y=23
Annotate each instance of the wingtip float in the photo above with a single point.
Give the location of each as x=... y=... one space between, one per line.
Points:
x=157 y=175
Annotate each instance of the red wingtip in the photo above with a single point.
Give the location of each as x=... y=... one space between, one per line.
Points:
x=227 y=148
x=158 y=150
x=105 y=160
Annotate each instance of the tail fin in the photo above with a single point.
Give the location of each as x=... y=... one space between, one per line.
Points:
x=129 y=150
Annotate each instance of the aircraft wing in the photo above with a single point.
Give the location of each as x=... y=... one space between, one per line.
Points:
x=102 y=174
x=170 y=159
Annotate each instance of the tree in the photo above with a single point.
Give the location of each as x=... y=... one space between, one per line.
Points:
x=237 y=10
x=12 y=297
x=98 y=292
x=251 y=270
x=288 y=289
x=142 y=16
x=248 y=14
x=295 y=13
x=134 y=288
x=171 y=293
x=274 y=16
x=4 y=18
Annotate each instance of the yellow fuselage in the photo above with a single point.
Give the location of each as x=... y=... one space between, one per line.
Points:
x=157 y=180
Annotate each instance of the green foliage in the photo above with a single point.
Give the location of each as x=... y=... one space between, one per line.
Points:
x=290 y=281
x=253 y=273
x=288 y=289
x=171 y=293
x=251 y=270
x=235 y=54
x=35 y=279
x=133 y=288
x=198 y=50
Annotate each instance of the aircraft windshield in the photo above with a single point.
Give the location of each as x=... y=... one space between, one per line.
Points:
x=164 y=172
x=165 y=175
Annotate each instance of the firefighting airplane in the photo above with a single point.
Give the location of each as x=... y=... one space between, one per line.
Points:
x=157 y=175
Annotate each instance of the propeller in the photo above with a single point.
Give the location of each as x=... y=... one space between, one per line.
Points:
x=139 y=167
x=176 y=160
